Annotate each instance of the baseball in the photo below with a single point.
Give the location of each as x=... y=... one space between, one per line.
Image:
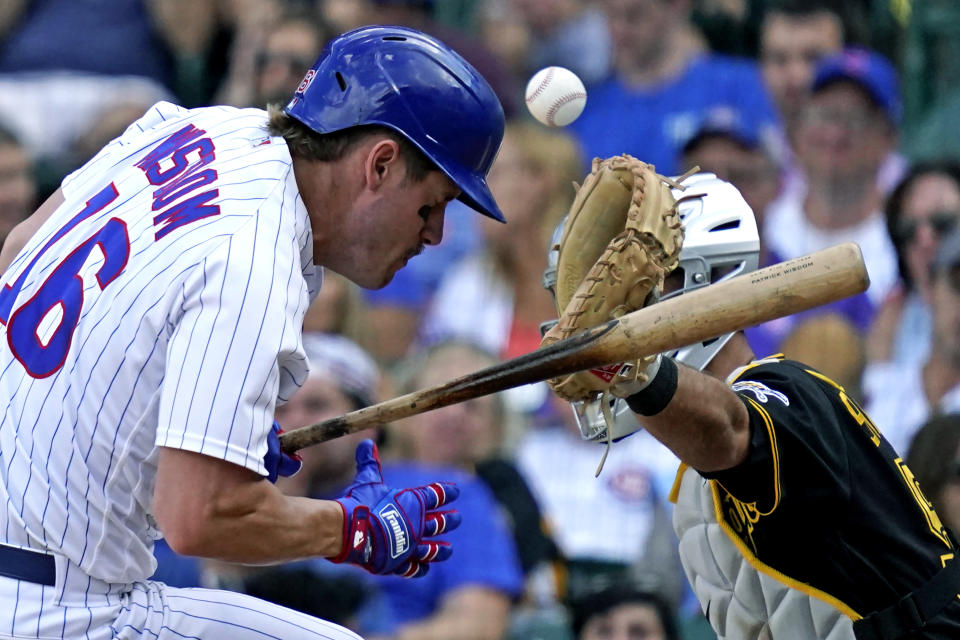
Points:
x=555 y=96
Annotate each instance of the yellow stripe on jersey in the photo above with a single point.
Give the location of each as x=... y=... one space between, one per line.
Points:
x=926 y=507
x=852 y=408
x=762 y=567
x=675 y=489
x=933 y=520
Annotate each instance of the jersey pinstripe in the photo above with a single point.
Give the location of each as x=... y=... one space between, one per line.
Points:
x=160 y=305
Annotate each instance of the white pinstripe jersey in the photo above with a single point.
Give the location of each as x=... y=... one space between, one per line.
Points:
x=160 y=305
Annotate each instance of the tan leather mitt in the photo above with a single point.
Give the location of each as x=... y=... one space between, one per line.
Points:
x=622 y=236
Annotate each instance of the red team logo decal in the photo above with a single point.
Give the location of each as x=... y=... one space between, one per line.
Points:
x=307 y=79
x=606 y=373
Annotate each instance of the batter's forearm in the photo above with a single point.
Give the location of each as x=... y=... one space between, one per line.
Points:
x=213 y=509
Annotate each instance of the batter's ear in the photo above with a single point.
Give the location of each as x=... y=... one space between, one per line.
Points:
x=383 y=158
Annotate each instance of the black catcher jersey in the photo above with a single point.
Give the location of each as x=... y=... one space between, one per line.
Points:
x=824 y=501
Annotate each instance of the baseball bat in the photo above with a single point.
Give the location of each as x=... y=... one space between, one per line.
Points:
x=772 y=292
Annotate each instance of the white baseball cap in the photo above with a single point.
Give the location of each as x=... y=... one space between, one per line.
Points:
x=343 y=362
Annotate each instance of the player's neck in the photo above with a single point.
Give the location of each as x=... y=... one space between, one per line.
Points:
x=325 y=195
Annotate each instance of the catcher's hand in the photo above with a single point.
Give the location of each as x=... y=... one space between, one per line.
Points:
x=621 y=238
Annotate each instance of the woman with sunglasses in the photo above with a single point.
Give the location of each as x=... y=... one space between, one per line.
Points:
x=920 y=212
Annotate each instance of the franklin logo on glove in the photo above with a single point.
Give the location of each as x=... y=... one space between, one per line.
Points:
x=400 y=537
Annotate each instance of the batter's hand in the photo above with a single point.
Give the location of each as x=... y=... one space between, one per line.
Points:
x=276 y=461
x=385 y=530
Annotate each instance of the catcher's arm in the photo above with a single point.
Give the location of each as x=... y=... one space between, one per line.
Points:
x=704 y=422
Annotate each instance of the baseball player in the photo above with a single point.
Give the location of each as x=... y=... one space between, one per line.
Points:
x=152 y=320
x=796 y=518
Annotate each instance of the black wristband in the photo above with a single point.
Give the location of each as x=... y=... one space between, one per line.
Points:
x=654 y=398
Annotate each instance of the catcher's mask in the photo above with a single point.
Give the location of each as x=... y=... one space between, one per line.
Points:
x=720 y=242
x=414 y=84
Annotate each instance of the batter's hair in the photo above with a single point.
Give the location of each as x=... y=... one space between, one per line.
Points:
x=330 y=147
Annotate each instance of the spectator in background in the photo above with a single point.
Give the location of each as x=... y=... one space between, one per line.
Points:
x=726 y=144
x=567 y=33
x=629 y=496
x=269 y=54
x=899 y=397
x=337 y=599
x=663 y=85
x=18 y=188
x=473 y=593
x=622 y=611
x=934 y=459
x=63 y=62
x=343 y=15
x=474 y=436
x=920 y=211
x=848 y=128
x=343 y=378
x=794 y=36
x=494 y=297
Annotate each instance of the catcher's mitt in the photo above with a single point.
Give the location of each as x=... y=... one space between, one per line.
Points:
x=622 y=236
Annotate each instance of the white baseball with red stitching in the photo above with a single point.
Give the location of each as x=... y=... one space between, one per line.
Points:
x=555 y=96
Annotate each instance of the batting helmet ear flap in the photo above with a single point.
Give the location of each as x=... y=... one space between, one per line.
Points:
x=414 y=84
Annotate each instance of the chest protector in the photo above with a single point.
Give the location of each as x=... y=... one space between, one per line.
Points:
x=743 y=601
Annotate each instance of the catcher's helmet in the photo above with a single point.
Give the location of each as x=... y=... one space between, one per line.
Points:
x=720 y=242
x=414 y=84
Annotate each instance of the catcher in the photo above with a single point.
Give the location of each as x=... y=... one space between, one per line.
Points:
x=796 y=518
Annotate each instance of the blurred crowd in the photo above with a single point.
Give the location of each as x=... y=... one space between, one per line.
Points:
x=799 y=103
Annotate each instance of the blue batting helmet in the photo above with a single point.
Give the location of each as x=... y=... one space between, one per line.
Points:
x=414 y=84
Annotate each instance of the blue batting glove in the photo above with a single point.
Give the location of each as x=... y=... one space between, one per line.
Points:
x=276 y=461
x=385 y=530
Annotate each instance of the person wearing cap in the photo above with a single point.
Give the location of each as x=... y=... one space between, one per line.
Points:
x=152 y=316
x=729 y=144
x=794 y=35
x=849 y=128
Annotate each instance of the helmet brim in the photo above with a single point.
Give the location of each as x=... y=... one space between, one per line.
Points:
x=475 y=193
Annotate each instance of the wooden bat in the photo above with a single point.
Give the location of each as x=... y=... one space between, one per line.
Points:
x=747 y=300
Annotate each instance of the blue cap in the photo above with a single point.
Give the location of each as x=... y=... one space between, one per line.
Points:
x=726 y=121
x=867 y=69
x=731 y=122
